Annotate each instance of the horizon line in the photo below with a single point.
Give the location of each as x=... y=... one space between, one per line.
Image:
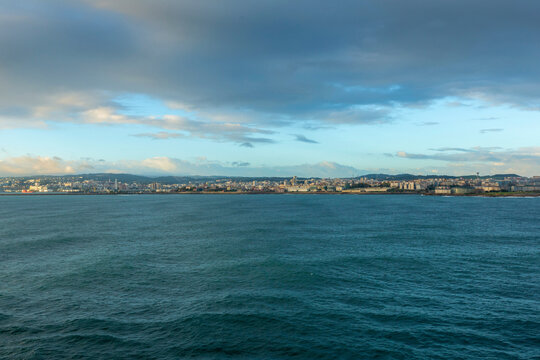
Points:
x=269 y=176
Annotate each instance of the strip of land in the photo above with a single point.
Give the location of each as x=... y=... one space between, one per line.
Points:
x=503 y=185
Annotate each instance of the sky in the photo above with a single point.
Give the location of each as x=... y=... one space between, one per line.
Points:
x=269 y=88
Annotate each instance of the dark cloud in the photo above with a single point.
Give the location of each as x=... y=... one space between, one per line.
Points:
x=302 y=138
x=301 y=61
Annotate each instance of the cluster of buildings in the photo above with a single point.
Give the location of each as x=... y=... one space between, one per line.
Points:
x=75 y=185
x=367 y=184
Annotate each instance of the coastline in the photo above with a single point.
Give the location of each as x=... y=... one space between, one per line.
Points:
x=491 y=195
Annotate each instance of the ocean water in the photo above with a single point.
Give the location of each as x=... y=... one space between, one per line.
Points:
x=269 y=277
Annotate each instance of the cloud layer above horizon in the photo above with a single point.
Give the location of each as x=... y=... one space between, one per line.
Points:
x=305 y=81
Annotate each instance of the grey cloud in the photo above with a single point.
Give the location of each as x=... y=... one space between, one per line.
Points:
x=300 y=61
x=15 y=112
x=457 y=104
x=474 y=149
x=530 y=156
x=302 y=138
x=310 y=126
x=259 y=140
x=451 y=149
x=356 y=115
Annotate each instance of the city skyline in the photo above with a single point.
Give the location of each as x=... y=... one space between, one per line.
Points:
x=311 y=89
x=474 y=185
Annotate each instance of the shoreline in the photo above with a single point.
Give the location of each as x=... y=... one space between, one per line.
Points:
x=492 y=195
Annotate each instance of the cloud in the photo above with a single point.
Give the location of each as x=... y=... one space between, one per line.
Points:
x=25 y=165
x=525 y=161
x=302 y=138
x=162 y=135
x=484 y=131
x=284 y=62
x=357 y=115
x=475 y=149
x=161 y=165
x=452 y=149
x=218 y=131
x=239 y=163
x=489 y=118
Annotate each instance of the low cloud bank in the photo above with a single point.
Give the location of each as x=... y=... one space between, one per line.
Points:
x=39 y=165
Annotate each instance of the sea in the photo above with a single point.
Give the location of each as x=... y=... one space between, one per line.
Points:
x=269 y=277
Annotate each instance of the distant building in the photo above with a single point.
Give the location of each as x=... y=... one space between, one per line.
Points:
x=442 y=190
x=461 y=190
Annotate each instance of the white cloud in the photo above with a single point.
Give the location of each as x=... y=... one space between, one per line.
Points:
x=161 y=135
x=161 y=165
x=26 y=165
x=518 y=162
x=106 y=115
x=213 y=130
